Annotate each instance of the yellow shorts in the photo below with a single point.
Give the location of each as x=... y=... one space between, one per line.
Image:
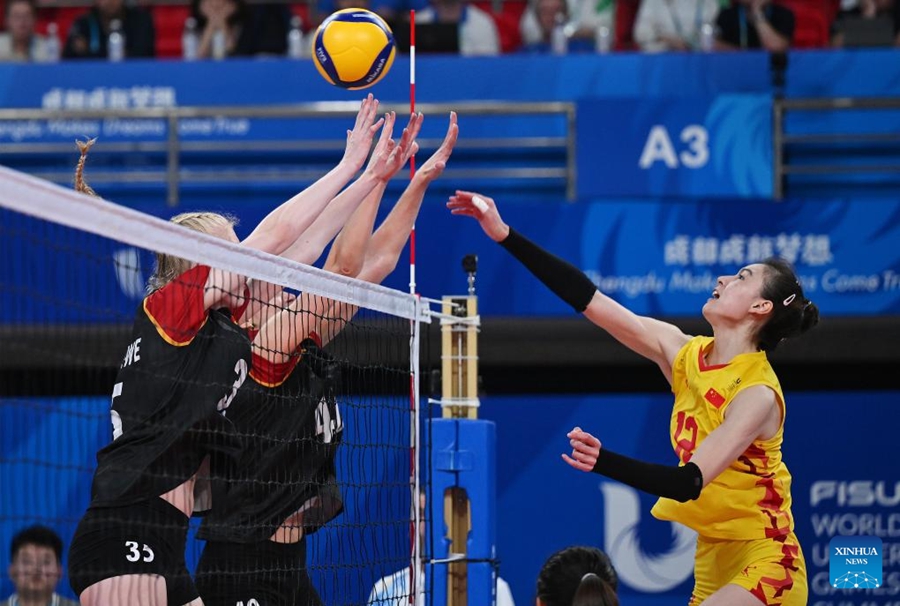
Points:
x=773 y=570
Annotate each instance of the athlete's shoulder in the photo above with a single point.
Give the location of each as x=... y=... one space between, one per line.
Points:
x=176 y=310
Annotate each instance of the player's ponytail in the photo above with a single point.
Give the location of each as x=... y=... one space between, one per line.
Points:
x=594 y=591
x=169 y=267
x=578 y=576
x=80 y=185
x=792 y=313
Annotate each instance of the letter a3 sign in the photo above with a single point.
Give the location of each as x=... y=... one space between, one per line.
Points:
x=855 y=562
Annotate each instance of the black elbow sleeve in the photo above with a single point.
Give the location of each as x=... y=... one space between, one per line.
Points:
x=681 y=484
x=565 y=280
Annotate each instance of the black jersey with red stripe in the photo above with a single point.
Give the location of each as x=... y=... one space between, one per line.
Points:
x=178 y=376
x=291 y=427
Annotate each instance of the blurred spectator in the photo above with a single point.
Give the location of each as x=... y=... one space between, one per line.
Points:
x=243 y=31
x=577 y=575
x=544 y=13
x=755 y=24
x=585 y=17
x=36 y=568
x=867 y=23
x=224 y=27
x=478 y=33
x=89 y=33
x=673 y=25
x=20 y=42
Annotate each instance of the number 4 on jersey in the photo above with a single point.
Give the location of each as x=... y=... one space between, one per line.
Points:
x=328 y=422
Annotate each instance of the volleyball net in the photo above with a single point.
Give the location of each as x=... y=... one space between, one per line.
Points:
x=315 y=438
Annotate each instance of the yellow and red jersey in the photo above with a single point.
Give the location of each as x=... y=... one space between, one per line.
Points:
x=751 y=499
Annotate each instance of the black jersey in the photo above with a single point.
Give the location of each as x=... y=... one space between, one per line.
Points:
x=181 y=371
x=291 y=427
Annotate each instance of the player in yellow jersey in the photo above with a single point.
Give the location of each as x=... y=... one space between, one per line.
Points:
x=731 y=485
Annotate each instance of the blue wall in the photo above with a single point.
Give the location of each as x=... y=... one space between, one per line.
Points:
x=48 y=445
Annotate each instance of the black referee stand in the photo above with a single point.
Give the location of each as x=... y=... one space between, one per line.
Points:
x=462 y=500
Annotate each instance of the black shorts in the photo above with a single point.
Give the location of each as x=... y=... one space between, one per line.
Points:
x=143 y=538
x=265 y=573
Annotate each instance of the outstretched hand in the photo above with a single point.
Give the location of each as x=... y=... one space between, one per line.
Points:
x=482 y=209
x=435 y=165
x=359 y=140
x=389 y=156
x=585 y=450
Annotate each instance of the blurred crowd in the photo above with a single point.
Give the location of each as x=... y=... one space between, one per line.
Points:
x=40 y=30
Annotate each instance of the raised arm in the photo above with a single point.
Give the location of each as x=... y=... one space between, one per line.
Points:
x=655 y=340
x=387 y=160
x=348 y=252
x=281 y=228
x=387 y=242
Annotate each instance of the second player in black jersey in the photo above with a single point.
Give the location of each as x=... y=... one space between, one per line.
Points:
x=285 y=486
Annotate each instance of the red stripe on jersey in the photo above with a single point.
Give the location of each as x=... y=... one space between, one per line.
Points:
x=238 y=312
x=701 y=362
x=271 y=374
x=177 y=308
x=317 y=339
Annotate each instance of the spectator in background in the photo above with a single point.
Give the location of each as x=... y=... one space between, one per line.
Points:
x=886 y=10
x=245 y=31
x=20 y=42
x=545 y=14
x=478 y=33
x=585 y=17
x=229 y=19
x=89 y=33
x=36 y=568
x=673 y=25
x=580 y=576
x=755 y=24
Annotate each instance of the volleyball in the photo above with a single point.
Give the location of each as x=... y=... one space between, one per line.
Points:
x=353 y=48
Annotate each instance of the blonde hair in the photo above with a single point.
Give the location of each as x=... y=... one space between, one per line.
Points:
x=80 y=185
x=169 y=267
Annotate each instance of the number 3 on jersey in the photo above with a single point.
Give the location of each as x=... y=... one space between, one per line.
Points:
x=241 y=369
x=144 y=554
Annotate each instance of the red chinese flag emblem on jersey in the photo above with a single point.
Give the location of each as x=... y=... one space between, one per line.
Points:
x=714 y=397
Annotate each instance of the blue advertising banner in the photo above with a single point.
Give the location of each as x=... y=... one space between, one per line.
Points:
x=658 y=259
x=681 y=147
x=139 y=83
x=662 y=258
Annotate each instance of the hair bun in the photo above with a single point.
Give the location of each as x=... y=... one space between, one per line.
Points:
x=809 y=316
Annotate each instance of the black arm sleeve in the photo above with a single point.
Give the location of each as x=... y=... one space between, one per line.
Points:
x=679 y=483
x=565 y=280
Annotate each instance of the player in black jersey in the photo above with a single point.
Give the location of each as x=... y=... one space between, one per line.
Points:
x=284 y=486
x=185 y=362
